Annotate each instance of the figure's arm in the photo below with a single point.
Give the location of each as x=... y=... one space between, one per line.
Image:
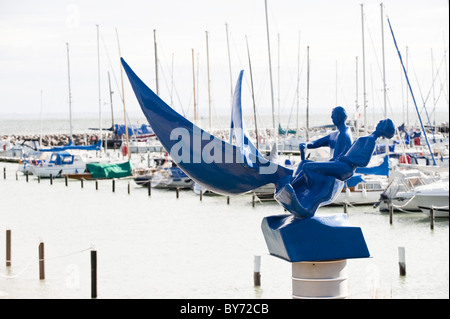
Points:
x=324 y=141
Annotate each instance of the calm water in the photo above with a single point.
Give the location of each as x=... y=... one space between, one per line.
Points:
x=163 y=247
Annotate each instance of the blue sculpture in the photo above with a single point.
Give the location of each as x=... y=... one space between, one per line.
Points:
x=235 y=169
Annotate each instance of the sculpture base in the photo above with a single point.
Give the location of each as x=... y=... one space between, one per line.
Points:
x=319 y=238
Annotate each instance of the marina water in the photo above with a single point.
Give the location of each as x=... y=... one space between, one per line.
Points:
x=160 y=246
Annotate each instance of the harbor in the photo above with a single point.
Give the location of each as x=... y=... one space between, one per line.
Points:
x=151 y=163
x=152 y=247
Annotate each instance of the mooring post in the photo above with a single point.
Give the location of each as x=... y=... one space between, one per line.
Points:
x=82 y=182
x=4 y=173
x=345 y=207
x=96 y=184
x=228 y=200
x=41 y=261
x=432 y=218
x=51 y=179
x=8 y=247
x=129 y=187
x=93 y=274
x=178 y=192
x=257 y=271
x=149 y=185
x=253 y=199
x=113 y=185
x=201 y=194
x=391 y=212
x=66 y=179
x=402 y=261
x=27 y=174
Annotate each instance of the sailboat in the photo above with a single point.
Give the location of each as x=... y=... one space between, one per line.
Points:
x=108 y=170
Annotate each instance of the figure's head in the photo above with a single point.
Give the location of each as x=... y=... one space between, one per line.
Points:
x=338 y=115
x=386 y=128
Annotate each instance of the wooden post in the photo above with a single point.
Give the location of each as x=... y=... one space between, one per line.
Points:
x=253 y=199
x=51 y=179
x=345 y=207
x=17 y=176
x=66 y=179
x=96 y=184
x=82 y=182
x=149 y=185
x=391 y=211
x=4 y=173
x=27 y=174
x=432 y=218
x=228 y=200
x=178 y=192
x=113 y=185
x=8 y=248
x=41 y=261
x=129 y=187
x=402 y=261
x=201 y=194
x=93 y=274
x=257 y=271
x=39 y=179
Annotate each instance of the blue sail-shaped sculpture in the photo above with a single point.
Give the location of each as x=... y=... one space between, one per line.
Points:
x=235 y=169
x=213 y=163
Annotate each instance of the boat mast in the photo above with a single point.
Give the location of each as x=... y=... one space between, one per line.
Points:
x=111 y=101
x=270 y=72
x=298 y=79
x=209 y=81
x=253 y=94
x=40 y=125
x=99 y=96
x=307 y=94
x=384 y=66
x=70 y=93
x=356 y=98
x=156 y=62
x=123 y=101
x=229 y=66
x=364 y=71
x=193 y=82
x=407 y=95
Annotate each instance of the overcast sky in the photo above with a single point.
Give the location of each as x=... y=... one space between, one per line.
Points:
x=33 y=54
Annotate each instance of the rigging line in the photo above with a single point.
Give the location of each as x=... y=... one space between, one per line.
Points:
x=373 y=47
x=412 y=95
x=112 y=69
x=168 y=87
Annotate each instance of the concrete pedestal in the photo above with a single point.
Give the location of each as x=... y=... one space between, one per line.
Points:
x=320 y=280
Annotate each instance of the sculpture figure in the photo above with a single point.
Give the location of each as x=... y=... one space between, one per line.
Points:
x=317 y=183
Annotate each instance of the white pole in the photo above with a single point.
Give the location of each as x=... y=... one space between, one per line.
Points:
x=364 y=71
x=384 y=66
x=99 y=95
x=270 y=73
x=40 y=125
x=209 y=82
x=70 y=93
